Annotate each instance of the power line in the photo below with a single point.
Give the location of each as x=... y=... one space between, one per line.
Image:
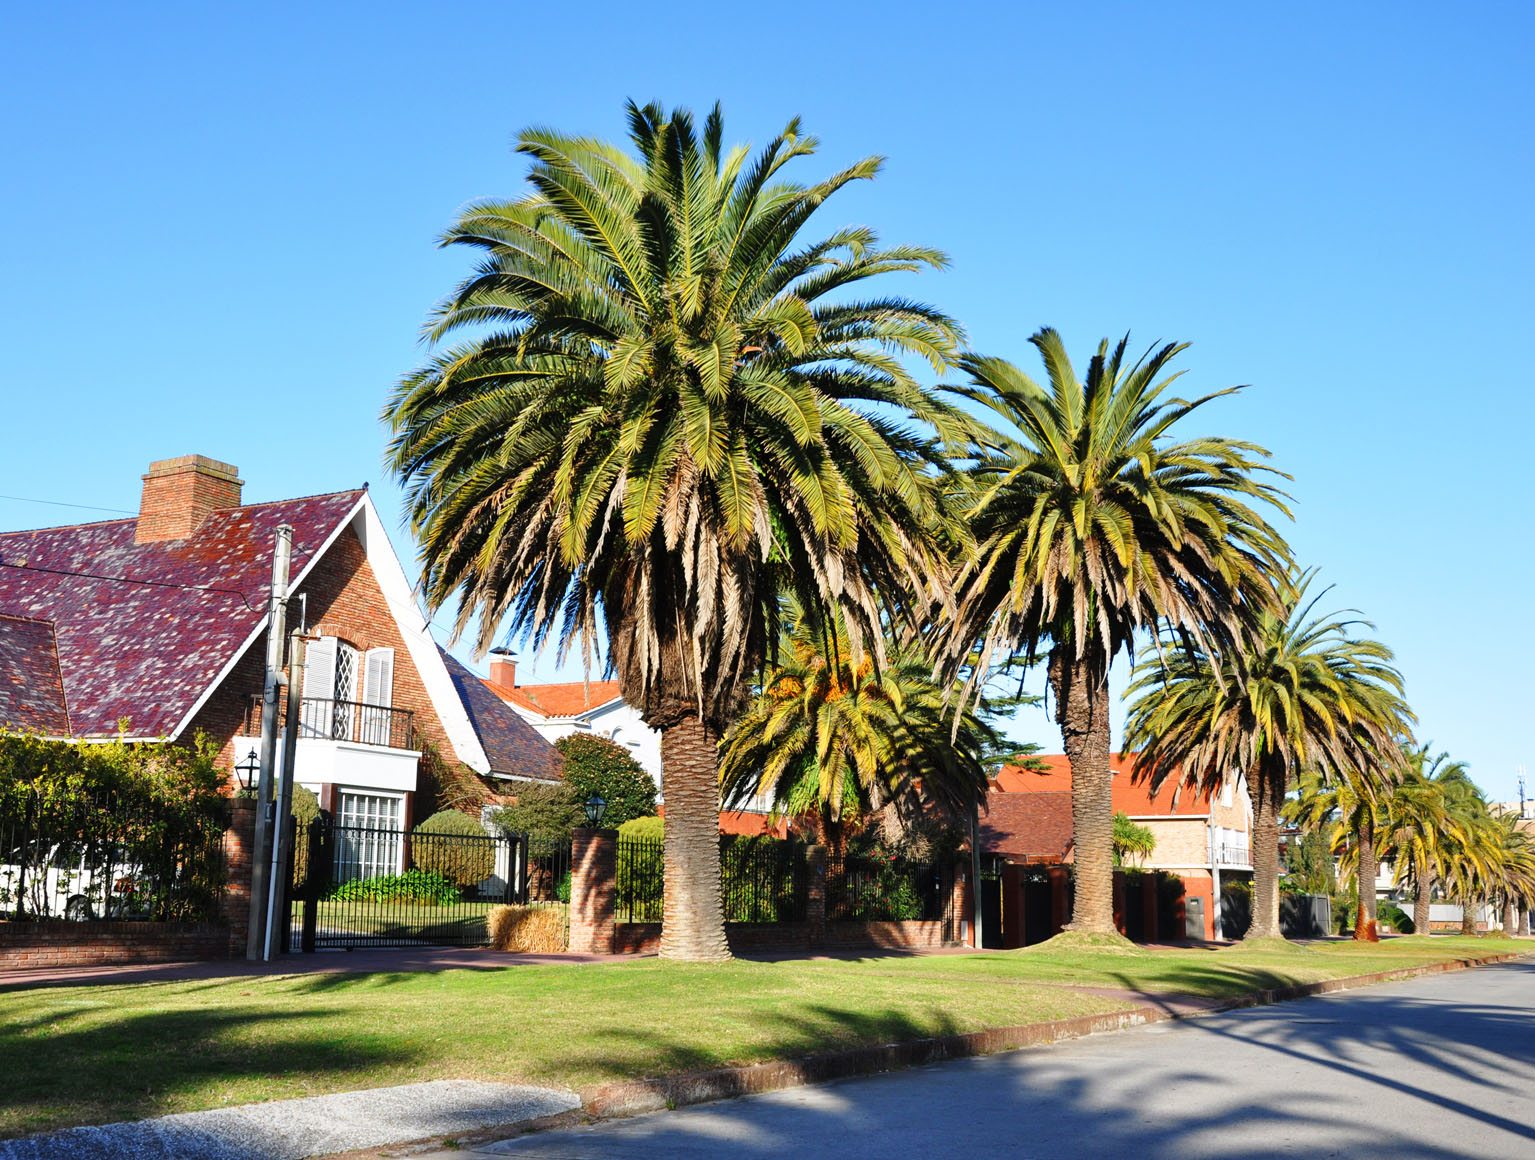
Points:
x=130 y=580
x=59 y=503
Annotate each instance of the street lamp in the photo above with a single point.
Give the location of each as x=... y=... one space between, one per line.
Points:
x=248 y=770
x=595 y=807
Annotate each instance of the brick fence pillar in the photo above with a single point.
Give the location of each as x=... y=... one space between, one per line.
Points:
x=1060 y=898
x=959 y=906
x=593 y=874
x=239 y=844
x=815 y=905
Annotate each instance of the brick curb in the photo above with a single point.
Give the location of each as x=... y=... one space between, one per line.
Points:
x=632 y=1097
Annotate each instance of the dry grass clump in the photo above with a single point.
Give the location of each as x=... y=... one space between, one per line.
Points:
x=530 y=929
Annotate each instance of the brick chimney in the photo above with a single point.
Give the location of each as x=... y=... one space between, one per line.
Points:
x=503 y=668
x=180 y=493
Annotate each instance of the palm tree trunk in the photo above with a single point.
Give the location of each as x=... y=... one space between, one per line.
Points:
x=1510 y=915
x=1365 y=929
x=1267 y=793
x=1420 y=905
x=693 y=921
x=1468 y=908
x=1082 y=711
x=1524 y=921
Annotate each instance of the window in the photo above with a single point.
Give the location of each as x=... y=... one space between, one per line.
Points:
x=345 y=691
x=369 y=840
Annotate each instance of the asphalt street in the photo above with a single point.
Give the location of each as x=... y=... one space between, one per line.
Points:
x=1436 y=1067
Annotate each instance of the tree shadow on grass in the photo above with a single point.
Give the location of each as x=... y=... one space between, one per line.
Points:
x=62 y=1069
x=1414 y=1073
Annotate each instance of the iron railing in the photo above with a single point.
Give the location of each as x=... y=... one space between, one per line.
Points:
x=104 y=857
x=364 y=886
x=331 y=720
x=1232 y=855
x=886 y=889
x=639 y=870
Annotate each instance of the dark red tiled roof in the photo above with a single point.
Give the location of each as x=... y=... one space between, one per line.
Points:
x=1033 y=827
x=512 y=745
x=141 y=652
x=31 y=692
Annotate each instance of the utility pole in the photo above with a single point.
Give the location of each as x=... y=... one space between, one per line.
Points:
x=1523 y=810
x=282 y=834
x=276 y=628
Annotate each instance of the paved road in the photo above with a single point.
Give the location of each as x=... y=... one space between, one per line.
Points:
x=1436 y=1067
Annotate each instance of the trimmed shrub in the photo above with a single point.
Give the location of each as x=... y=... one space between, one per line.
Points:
x=453 y=845
x=537 y=930
x=598 y=765
x=1395 y=917
x=647 y=829
x=420 y=886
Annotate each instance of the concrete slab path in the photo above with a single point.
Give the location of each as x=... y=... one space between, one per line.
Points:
x=292 y=1129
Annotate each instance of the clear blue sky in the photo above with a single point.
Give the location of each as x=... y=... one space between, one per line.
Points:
x=219 y=221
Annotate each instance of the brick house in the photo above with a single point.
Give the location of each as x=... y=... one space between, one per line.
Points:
x=156 y=626
x=1200 y=837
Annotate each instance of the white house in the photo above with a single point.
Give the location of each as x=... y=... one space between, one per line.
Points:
x=559 y=709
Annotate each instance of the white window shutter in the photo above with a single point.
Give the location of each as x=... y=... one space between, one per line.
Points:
x=319 y=688
x=378 y=677
x=320 y=668
x=377 y=695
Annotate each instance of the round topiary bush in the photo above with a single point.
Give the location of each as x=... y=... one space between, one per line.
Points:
x=601 y=766
x=453 y=845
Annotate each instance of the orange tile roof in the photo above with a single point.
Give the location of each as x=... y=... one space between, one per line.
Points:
x=1132 y=796
x=570 y=699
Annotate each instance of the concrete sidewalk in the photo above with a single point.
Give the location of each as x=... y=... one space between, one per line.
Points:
x=292 y=1129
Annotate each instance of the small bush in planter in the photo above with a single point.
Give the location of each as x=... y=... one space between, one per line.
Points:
x=453 y=845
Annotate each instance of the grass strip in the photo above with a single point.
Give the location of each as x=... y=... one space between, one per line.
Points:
x=99 y=1053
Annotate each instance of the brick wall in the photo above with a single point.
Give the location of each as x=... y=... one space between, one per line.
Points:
x=53 y=945
x=344 y=600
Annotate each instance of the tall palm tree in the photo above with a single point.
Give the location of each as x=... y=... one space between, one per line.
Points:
x=1091 y=524
x=664 y=407
x=1419 y=812
x=1305 y=694
x=1349 y=810
x=832 y=736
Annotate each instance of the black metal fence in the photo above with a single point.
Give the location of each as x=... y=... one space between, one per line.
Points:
x=104 y=857
x=639 y=871
x=886 y=889
x=764 y=881
x=360 y=886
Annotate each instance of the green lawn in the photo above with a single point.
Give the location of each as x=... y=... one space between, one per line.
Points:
x=91 y=1054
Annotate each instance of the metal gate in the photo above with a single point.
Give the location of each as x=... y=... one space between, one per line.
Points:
x=357 y=886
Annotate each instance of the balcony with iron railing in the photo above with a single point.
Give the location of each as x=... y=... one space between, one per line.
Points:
x=1228 y=854
x=325 y=719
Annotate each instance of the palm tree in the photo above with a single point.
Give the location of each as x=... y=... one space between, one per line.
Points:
x=834 y=737
x=1304 y=695
x=1091 y=525
x=1419 y=811
x=1132 y=840
x=664 y=408
x=1348 y=810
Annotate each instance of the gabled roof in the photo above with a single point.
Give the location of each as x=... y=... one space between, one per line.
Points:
x=1032 y=827
x=145 y=635
x=31 y=691
x=511 y=744
x=569 y=699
